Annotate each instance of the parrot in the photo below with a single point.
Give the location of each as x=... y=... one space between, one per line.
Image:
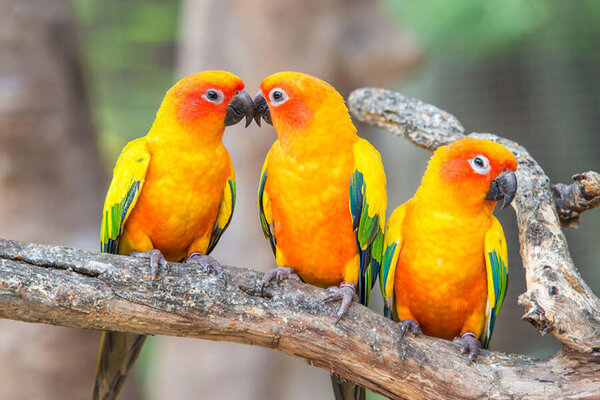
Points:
x=445 y=267
x=322 y=194
x=172 y=196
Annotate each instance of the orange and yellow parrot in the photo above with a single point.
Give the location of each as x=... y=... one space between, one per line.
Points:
x=322 y=195
x=172 y=195
x=445 y=259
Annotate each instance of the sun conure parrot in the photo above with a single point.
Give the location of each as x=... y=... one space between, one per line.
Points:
x=322 y=195
x=172 y=195
x=445 y=258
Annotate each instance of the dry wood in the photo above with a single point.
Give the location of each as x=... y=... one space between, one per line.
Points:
x=75 y=288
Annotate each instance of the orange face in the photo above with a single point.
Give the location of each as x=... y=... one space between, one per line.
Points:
x=294 y=99
x=210 y=99
x=479 y=167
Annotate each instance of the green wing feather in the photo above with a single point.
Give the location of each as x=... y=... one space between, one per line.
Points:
x=392 y=244
x=496 y=261
x=368 y=201
x=128 y=178
x=264 y=208
x=225 y=213
x=119 y=350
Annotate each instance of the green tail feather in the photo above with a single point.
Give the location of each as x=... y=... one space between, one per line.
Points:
x=118 y=352
x=343 y=390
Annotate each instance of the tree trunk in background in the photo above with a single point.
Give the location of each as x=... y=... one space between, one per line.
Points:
x=344 y=42
x=50 y=186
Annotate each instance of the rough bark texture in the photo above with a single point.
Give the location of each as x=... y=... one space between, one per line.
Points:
x=557 y=300
x=50 y=179
x=76 y=288
x=581 y=195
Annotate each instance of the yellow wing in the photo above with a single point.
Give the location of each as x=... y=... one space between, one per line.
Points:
x=368 y=203
x=225 y=212
x=392 y=244
x=496 y=262
x=128 y=178
x=264 y=207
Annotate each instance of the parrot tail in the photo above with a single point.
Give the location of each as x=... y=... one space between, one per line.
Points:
x=343 y=390
x=118 y=352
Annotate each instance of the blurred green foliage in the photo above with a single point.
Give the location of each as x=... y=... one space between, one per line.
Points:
x=129 y=51
x=476 y=26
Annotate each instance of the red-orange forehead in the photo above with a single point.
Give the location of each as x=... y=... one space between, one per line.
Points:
x=187 y=94
x=298 y=85
x=498 y=155
x=454 y=159
x=305 y=95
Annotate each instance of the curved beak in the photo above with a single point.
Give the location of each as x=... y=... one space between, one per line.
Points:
x=504 y=187
x=261 y=109
x=239 y=107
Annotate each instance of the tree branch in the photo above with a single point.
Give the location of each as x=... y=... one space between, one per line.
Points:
x=557 y=300
x=75 y=288
x=571 y=200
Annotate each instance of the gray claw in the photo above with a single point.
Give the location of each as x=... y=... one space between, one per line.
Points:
x=278 y=274
x=157 y=260
x=347 y=293
x=468 y=342
x=207 y=263
x=406 y=324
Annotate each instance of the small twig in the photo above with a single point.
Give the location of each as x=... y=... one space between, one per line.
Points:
x=579 y=196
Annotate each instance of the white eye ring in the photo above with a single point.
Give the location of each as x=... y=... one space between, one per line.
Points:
x=277 y=96
x=214 y=96
x=480 y=164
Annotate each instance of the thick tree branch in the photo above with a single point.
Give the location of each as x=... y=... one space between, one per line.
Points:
x=557 y=300
x=75 y=288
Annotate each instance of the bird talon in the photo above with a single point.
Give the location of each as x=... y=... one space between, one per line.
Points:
x=207 y=263
x=279 y=274
x=156 y=258
x=405 y=324
x=346 y=292
x=468 y=343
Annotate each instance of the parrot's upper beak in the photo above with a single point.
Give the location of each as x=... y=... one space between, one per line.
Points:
x=239 y=107
x=503 y=187
x=261 y=109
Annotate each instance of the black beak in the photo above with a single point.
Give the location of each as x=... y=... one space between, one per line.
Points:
x=239 y=107
x=261 y=109
x=503 y=187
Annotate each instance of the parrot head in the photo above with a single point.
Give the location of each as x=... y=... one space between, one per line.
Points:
x=294 y=102
x=482 y=169
x=208 y=102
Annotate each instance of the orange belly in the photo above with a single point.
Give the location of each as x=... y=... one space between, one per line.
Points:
x=311 y=213
x=178 y=203
x=442 y=284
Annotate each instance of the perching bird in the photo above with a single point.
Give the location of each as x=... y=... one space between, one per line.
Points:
x=445 y=258
x=172 y=195
x=322 y=195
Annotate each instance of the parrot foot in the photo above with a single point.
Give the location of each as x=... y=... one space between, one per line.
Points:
x=345 y=292
x=207 y=263
x=407 y=324
x=468 y=343
x=156 y=260
x=278 y=274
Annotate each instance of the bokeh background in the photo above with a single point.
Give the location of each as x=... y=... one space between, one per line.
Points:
x=80 y=78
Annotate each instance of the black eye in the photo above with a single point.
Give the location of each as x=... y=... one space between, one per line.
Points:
x=478 y=161
x=212 y=95
x=277 y=96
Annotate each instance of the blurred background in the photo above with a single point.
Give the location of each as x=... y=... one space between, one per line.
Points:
x=80 y=78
